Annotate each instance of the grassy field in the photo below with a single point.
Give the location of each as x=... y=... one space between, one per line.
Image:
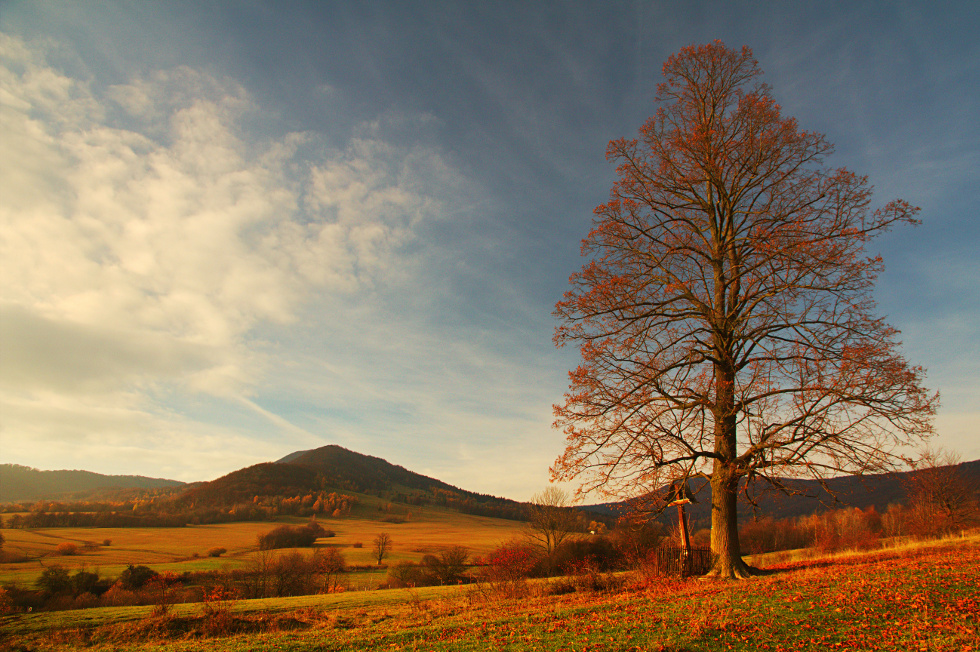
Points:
x=923 y=597
x=425 y=530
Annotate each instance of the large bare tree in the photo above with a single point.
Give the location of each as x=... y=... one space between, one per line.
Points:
x=725 y=315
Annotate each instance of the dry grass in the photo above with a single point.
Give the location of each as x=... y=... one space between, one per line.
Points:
x=897 y=545
x=426 y=530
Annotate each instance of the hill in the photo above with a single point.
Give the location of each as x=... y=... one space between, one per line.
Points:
x=25 y=484
x=333 y=468
x=808 y=496
x=241 y=486
x=346 y=469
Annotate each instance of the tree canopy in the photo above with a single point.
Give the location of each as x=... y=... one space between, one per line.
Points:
x=725 y=315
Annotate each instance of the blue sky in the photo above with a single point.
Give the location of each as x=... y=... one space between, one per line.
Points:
x=230 y=231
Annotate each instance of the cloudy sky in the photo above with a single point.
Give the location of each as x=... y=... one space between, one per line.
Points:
x=234 y=230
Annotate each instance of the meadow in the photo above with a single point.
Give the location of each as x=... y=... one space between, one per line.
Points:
x=918 y=597
x=415 y=532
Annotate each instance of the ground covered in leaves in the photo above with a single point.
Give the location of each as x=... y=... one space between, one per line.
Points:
x=925 y=598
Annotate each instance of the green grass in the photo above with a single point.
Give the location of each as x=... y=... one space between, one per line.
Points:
x=923 y=598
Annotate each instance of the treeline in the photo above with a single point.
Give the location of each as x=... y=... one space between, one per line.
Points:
x=319 y=504
x=852 y=528
x=96 y=519
x=165 y=513
x=941 y=499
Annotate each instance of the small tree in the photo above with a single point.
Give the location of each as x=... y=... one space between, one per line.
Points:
x=54 y=580
x=258 y=574
x=448 y=567
x=452 y=564
x=135 y=577
x=291 y=575
x=550 y=520
x=330 y=563
x=87 y=582
x=382 y=546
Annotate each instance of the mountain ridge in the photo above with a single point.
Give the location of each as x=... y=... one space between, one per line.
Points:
x=19 y=483
x=808 y=497
x=335 y=468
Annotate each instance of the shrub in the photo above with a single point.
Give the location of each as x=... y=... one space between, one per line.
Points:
x=216 y=610
x=598 y=551
x=22 y=599
x=6 y=601
x=67 y=548
x=512 y=562
x=508 y=567
x=766 y=534
x=284 y=536
x=85 y=601
x=217 y=551
x=589 y=576
x=135 y=577
x=162 y=593
x=560 y=586
x=406 y=574
x=117 y=596
x=87 y=582
x=634 y=539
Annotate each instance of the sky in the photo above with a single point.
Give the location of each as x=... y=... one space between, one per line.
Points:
x=234 y=230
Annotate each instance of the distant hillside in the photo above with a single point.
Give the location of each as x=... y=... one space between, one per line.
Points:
x=334 y=468
x=25 y=484
x=808 y=496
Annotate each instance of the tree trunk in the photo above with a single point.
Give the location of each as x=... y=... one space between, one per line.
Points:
x=724 y=525
x=724 y=478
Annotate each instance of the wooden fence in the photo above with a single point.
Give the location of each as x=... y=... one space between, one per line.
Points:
x=676 y=561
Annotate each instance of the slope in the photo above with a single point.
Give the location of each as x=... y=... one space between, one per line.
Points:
x=333 y=468
x=25 y=484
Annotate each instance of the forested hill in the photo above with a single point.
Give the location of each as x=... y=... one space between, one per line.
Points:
x=346 y=469
x=333 y=468
x=25 y=484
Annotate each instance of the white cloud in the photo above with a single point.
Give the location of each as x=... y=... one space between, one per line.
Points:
x=147 y=231
x=44 y=354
